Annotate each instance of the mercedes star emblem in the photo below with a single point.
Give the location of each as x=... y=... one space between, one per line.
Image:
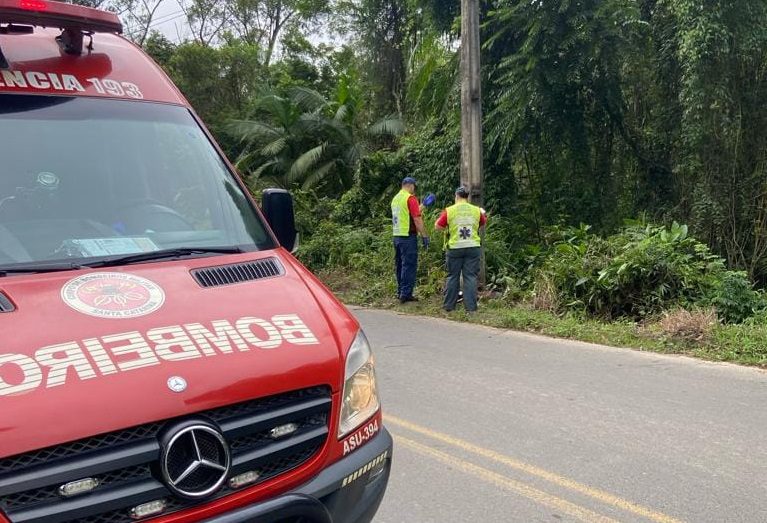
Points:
x=195 y=461
x=177 y=384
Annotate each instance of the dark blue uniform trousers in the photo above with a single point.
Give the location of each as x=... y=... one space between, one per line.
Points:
x=406 y=261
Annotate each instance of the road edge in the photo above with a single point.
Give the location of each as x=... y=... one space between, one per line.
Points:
x=569 y=341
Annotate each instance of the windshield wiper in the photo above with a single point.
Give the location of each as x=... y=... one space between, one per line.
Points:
x=32 y=269
x=120 y=260
x=162 y=255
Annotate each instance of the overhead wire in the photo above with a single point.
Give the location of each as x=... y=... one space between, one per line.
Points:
x=158 y=21
x=161 y=20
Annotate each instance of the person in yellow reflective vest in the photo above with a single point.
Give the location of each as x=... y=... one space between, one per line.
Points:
x=407 y=223
x=463 y=222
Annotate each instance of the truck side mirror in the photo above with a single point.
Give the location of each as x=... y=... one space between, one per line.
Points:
x=277 y=206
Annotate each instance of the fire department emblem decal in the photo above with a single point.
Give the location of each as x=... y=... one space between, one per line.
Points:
x=113 y=295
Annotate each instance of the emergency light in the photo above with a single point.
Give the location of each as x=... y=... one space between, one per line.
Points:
x=58 y=14
x=75 y=21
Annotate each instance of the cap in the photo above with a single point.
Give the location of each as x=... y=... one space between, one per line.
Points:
x=408 y=179
x=462 y=192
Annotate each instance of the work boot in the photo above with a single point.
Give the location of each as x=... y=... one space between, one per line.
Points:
x=408 y=299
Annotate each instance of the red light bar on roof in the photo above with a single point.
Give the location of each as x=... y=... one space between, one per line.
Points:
x=58 y=14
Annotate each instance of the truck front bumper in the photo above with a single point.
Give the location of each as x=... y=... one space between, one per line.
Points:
x=349 y=491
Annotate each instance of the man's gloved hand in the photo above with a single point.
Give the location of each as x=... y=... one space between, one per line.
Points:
x=425 y=242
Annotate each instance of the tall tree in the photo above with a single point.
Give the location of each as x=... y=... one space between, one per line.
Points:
x=97 y=4
x=138 y=16
x=206 y=19
x=265 y=22
x=556 y=72
x=381 y=27
x=722 y=52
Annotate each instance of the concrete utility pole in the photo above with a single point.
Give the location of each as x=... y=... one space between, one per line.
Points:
x=471 y=110
x=471 y=102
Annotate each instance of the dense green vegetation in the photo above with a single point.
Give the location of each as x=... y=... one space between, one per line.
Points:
x=631 y=116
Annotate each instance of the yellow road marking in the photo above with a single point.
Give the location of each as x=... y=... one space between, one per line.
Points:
x=599 y=495
x=501 y=481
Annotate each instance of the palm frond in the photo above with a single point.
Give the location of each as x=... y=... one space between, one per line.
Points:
x=305 y=162
x=433 y=77
x=310 y=123
x=258 y=173
x=275 y=147
x=354 y=154
x=388 y=126
x=343 y=131
x=251 y=129
x=278 y=108
x=318 y=175
x=307 y=99
x=244 y=161
x=343 y=111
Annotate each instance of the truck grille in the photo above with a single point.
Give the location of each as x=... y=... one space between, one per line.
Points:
x=126 y=463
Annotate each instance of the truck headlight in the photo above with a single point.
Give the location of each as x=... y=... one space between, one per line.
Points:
x=360 y=396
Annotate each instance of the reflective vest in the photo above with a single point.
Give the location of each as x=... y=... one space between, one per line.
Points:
x=400 y=214
x=463 y=226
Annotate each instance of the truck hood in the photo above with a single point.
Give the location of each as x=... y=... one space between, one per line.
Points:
x=89 y=352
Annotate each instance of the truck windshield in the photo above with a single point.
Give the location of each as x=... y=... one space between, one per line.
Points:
x=84 y=179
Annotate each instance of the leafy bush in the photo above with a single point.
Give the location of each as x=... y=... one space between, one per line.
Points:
x=311 y=210
x=654 y=269
x=565 y=272
x=735 y=298
x=353 y=207
x=335 y=245
x=641 y=272
x=433 y=157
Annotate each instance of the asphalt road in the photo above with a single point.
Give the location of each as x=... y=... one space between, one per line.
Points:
x=492 y=425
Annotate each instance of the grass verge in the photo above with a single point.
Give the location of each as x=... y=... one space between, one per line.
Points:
x=741 y=344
